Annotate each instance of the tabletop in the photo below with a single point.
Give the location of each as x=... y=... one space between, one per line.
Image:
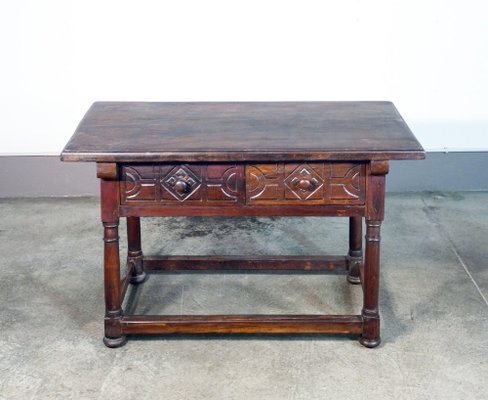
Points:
x=241 y=131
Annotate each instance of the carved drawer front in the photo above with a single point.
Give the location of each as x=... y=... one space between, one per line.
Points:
x=182 y=184
x=305 y=183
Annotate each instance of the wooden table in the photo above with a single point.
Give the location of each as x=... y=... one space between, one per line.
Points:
x=242 y=159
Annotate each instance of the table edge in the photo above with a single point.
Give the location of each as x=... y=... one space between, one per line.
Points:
x=221 y=156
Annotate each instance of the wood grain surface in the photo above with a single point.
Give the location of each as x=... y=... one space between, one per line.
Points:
x=253 y=131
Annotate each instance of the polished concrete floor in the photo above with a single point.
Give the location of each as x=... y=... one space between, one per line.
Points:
x=433 y=305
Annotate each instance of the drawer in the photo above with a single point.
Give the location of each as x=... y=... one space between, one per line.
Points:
x=182 y=184
x=305 y=183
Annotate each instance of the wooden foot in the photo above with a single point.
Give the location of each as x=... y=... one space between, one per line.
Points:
x=140 y=278
x=370 y=343
x=115 y=342
x=353 y=280
x=354 y=264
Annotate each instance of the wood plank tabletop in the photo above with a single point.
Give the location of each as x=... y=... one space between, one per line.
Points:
x=241 y=131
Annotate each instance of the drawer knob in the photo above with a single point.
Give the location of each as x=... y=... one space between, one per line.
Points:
x=305 y=184
x=181 y=186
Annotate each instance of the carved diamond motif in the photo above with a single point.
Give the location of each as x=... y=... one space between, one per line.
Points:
x=181 y=182
x=303 y=182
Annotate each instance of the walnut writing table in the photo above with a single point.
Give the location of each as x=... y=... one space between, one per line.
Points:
x=242 y=159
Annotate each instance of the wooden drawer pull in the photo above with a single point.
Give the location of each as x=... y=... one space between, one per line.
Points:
x=306 y=184
x=181 y=186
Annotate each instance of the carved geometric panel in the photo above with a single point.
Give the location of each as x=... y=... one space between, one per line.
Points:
x=311 y=183
x=262 y=182
x=186 y=184
x=181 y=182
x=138 y=183
x=347 y=182
x=224 y=183
x=305 y=183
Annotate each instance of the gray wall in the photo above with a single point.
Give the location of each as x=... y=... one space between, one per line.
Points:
x=40 y=176
x=440 y=171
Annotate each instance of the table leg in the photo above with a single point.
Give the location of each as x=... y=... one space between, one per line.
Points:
x=113 y=301
x=355 y=256
x=134 y=258
x=370 y=313
x=375 y=210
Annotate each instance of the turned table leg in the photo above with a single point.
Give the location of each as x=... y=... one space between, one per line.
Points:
x=355 y=256
x=370 y=313
x=134 y=258
x=113 y=301
x=375 y=211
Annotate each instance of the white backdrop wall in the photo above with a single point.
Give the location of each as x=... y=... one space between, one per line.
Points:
x=58 y=56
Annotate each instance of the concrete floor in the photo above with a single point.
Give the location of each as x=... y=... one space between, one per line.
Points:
x=433 y=306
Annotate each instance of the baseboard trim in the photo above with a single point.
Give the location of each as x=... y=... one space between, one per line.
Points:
x=47 y=176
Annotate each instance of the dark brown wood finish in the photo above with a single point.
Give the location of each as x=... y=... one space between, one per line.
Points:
x=243 y=211
x=109 y=190
x=242 y=159
x=375 y=212
x=134 y=254
x=271 y=324
x=247 y=263
x=305 y=183
x=355 y=255
x=182 y=184
x=254 y=131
